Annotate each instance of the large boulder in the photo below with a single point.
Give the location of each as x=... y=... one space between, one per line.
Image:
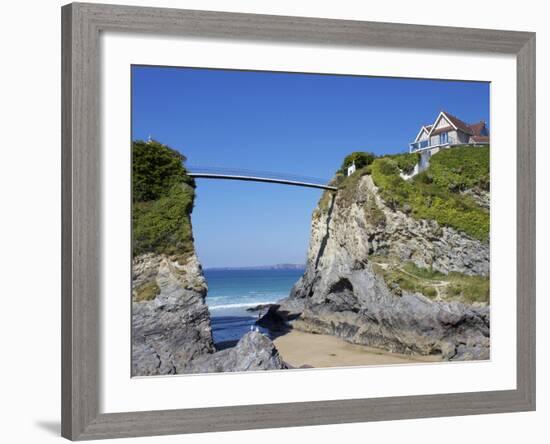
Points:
x=278 y=317
x=253 y=352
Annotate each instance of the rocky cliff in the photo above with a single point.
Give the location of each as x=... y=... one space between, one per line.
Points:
x=170 y=320
x=171 y=330
x=378 y=276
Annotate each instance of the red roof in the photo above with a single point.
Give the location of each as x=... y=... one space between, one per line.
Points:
x=477 y=128
x=474 y=129
x=480 y=139
x=462 y=126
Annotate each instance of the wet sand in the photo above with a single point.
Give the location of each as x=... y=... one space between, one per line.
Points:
x=306 y=349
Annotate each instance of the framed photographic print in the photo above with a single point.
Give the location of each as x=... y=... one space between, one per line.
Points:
x=324 y=209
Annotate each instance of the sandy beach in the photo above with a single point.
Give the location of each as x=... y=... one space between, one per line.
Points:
x=306 y=349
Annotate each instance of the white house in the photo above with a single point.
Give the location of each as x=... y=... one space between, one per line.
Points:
x=447 y=131
x=351 y=169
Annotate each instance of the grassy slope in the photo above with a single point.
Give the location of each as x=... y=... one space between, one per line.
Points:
x=163 y=196
x=432 y=284
x=435 y=193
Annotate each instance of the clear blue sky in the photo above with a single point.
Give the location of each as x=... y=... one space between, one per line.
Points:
x=302 y=124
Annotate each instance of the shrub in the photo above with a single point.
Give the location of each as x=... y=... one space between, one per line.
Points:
x=163 y=196
x=147 y=292
x=430 y=292
x=155 y=169
x=387 y=166
x=361 y=159
x=164 y=225
x=405 y=161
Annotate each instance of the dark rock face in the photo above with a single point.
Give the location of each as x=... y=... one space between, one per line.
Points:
x=253 y=352
x=278 y=316
x=173 y=328
x=410 y=324
x=340 y=294
x=172 y=334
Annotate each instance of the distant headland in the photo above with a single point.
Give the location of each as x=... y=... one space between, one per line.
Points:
x=261 y=267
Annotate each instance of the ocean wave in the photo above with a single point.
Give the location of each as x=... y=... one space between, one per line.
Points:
x=248 y=294
x=239 y=305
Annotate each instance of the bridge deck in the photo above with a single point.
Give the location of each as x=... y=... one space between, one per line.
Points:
x=213 y=172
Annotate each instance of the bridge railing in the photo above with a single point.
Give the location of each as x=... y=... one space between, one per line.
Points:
x=198 y=169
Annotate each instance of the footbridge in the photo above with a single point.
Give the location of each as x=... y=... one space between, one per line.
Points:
x=203 y=172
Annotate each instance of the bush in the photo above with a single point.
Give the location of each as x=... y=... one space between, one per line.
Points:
x=387 y=166
x=155 y=169
x=163 y=196
x=164 y=225
x=406 y=161
x=146 y=292
x=361 y=160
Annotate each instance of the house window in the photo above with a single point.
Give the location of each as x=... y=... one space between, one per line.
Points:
x=444 y=138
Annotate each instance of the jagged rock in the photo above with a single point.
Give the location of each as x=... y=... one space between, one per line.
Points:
x=253 y=352
x=342 y=295
x=278 y=317
x=174 y=327
x=171 y=334
x=481 y=197
x=259 y=308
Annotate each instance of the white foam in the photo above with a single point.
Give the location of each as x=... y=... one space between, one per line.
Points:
x=242 y=305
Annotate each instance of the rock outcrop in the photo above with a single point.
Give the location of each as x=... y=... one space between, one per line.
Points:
x=173 y=327
x=171 y=331
x=254 y=351
x=342 y=295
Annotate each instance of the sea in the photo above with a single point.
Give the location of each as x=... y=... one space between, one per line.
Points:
x=232 y=291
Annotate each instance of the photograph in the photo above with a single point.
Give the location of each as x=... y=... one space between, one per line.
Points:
x=285 y=221
x=269 y=222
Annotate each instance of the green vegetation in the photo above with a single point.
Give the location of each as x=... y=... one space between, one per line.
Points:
x=435 y=193
x=360 y=158
x=164 y=225
x=347 y=187
x=324 y=203
x=470 y=288
x=156 y=168
x=461 y=168
x=432 y=284
x=163 y=196
x=374 y=215
x=147 y=292
x=405 y=161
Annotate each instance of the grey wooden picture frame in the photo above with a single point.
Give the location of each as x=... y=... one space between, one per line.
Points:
x=81 y=172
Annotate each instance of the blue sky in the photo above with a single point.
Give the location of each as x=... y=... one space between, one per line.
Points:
x=302 y=124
